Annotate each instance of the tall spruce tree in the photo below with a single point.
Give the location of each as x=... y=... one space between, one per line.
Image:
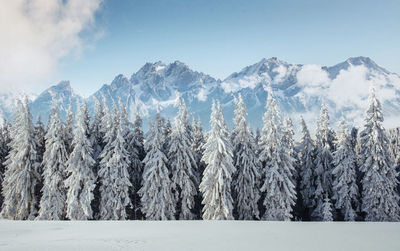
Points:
x=52 y=203
x=345 y=189
x=278 y=186
x=380 y=200
x=246 y=182
x=306 y=169
x=113 y=173
x=323 y=163
x=4 y=151
x=158 y=201
x=21 y=175
x=183 y=164
x=80 y=182
x=217 y=177
x=69 y=128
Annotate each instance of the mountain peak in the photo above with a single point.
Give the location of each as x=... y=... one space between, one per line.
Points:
x=65 y=84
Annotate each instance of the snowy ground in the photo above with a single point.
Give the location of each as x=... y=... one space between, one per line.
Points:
x=197 y=235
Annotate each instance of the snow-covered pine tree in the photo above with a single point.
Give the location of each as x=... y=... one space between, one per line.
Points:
x=40 y=133
x=96 y=140
x=280 y=193
x=113 y=173
x=306 y=169
x=246 y=182
x=81 y=180
x=137 y=155
x=158 y=201
x=183 y=164
x=69 y=128
x=4 y=151
x=197 y=147
x=323 y=163
x=345 y=189
x=21 y=175
x=380 y=200
x=326 y=211
x=217 y=177
x=52 y=203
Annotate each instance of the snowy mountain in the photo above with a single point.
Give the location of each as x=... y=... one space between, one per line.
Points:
x=300 y=90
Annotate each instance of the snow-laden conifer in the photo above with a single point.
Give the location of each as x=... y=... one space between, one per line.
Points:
x=246 y=182
x=52 y=203
x=21 y=175
x=380 y=200
x=345 y=190
x=158 y=201
x=306 y=168
x=80 y=182
x=326 y=211
x=183 y=164
x=217 y=177
x=113 y=173
x=69 y=128
x=4 y=150
x=323 y=163
x=280 y=193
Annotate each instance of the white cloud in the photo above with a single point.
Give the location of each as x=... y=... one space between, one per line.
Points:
x=281 y=70
x=311 y=76
x=36 y=34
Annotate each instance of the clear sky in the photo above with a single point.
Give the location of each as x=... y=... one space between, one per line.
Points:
x=222 y=36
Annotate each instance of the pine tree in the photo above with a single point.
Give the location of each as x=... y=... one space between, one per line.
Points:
x=52 y=203
x=158 y=201
x=247 y=177
x=137 y=155
x=114 y=175
x=326 y=211
x=306 y=167
x=280 y=193
x=345 y=190
x=183 y=164
x=197 y=147
x=323 y=163
x=21 y=175
x=39 y=133
x=217 y=177
x=80 y=182
x=380 y=201
x=4 y=151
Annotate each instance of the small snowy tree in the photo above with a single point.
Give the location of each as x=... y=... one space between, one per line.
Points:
x=345 y=190
x=183 y=164
x=247 y=177
x=114 y=175
x=380 y=200
x=158 y=201
x=52 y=203
x=280 y=193
x=217 y=177
x=81 y=180
x=306 y=167
x=323 y=163
x=21 y=175
x=327 y=209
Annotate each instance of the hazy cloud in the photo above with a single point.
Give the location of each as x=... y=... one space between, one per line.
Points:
x=36 y=34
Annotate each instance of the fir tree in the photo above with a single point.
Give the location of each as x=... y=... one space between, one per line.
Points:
x=4 y=151
x=21 y=175
x=280 y=194
x=323 y=163
x=326 y=211
x=345 y=190
x=158 y=201
x=114 y=175
x=52 y=203
x=197 y=147
x=217 y=177
x=246 y=180
x=306 y=167
x=183 y=164
x=380 y=201
x=81 y=180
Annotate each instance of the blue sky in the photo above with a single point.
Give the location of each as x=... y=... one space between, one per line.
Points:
x=220 y=37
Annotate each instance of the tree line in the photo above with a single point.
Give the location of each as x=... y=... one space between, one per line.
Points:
x=103 y=167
